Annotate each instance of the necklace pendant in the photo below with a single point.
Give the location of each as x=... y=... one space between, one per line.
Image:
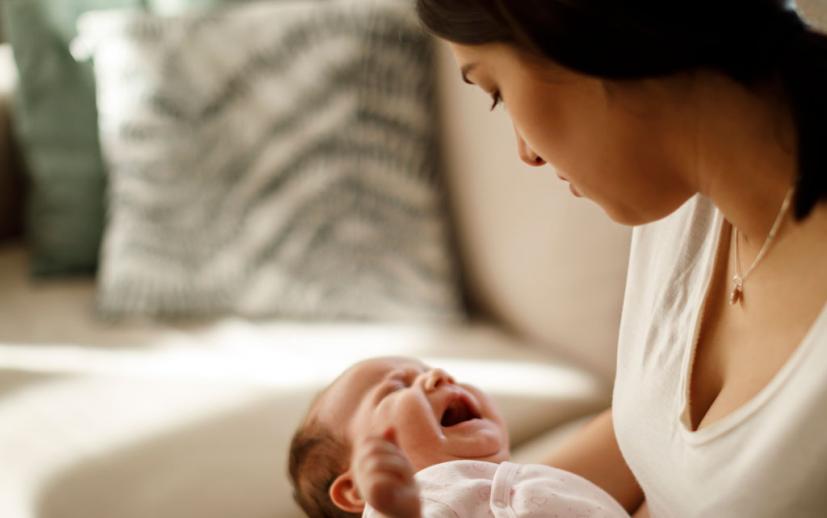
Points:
x=737 y=294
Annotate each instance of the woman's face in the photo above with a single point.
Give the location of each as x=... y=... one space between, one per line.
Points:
x=611 y=143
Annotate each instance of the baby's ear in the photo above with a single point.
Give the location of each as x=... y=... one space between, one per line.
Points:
x=345 y=495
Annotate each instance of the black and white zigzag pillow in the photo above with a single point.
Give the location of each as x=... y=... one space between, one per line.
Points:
x=271 y=159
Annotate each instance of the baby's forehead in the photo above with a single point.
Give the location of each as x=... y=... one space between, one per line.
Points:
x=348 y=389
x=362 y=376
x=384 y=365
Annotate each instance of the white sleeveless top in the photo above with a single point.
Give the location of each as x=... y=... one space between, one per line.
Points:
x=766 y=459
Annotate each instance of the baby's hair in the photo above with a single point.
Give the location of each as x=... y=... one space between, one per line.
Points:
x=317 y=457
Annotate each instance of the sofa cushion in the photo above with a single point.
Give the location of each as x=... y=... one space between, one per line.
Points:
x=194 y=421
x=56 y=123
x=291 y=173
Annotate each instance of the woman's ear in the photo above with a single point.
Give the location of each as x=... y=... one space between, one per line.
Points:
x=345 y=495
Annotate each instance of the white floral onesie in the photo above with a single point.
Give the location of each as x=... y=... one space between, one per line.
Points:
x=475 y=489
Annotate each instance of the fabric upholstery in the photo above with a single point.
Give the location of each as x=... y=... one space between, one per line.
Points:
x=193 y=421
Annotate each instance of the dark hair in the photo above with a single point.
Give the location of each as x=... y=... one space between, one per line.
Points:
x=317 y=457
x=749 y=40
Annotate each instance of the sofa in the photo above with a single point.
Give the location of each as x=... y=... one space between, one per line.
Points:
x=149 y=419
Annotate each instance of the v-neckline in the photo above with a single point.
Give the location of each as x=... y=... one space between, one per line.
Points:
x=735 y=417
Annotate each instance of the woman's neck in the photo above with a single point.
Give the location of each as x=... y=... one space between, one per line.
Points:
x=745 y=155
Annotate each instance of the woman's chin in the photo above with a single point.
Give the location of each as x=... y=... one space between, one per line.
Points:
x=574 y=191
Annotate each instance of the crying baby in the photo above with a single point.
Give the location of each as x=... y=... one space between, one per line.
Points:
x=395 y=438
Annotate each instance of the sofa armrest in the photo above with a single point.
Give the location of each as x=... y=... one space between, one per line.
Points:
x=11 y=184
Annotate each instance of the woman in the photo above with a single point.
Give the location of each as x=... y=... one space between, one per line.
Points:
x=704 y=124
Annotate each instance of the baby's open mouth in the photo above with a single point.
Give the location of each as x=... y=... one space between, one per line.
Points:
x=459 y=410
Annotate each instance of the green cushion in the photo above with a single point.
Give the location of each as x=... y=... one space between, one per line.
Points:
x=56 y=124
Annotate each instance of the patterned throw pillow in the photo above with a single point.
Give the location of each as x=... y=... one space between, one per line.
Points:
x=271 y=159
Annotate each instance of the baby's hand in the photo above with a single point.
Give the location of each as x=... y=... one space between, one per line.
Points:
x=385 y=477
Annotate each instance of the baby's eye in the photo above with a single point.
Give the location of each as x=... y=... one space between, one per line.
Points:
x=411 y=376
x=390 y=387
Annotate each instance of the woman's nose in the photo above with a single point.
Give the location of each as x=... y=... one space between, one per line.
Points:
x=435 y=378
x=527 y=154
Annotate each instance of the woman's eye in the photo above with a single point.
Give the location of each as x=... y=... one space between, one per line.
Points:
x=497 y=98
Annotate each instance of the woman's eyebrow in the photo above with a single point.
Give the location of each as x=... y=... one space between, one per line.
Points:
x=466 y=69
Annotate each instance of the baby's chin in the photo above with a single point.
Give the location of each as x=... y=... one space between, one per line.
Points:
x=425 y=461
x=483 y=441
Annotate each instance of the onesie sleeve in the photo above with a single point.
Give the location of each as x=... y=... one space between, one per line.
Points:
x=435 y=509
x=430 y=509
x=454 y=489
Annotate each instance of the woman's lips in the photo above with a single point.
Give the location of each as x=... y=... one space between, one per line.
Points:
x=572 y=188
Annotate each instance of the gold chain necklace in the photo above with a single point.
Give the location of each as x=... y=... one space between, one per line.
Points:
x=738 y=280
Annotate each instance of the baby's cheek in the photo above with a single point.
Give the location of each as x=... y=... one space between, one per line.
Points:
x=420 y=436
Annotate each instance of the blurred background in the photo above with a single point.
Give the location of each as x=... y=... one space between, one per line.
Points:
x=210 y=208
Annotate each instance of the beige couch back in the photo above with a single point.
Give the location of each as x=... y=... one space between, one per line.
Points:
x=815 y=11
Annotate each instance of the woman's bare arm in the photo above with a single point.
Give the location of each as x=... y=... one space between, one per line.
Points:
x=593 y=454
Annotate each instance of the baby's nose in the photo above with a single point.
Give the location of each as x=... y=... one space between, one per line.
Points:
x=435 y=378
